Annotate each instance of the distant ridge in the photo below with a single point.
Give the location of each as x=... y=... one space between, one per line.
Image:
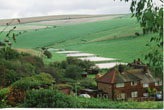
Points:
x=55 y=17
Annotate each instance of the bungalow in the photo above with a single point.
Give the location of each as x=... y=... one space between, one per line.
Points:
x=128 y=84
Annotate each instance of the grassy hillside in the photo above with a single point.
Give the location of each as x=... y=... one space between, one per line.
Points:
x=80 y=33
x=126 y=49
x=111 y=38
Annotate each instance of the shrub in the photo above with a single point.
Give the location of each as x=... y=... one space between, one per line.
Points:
x=9 y=53
x=61 y=86
x=33 y=81
x=88 y=83
x=48 y=98
x=16 y=96
x=55 y=72
x=105 y=103
x=3 y=97
x=68 y=80
x=73 y=71
x=11 y=76
x=35 y=61
x=48 y=54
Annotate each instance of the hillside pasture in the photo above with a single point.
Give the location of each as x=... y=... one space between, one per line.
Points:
x=114 y=38
x=77 y=34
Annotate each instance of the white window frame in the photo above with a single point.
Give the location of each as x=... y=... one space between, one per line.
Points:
x=145 y=85
x=120 y=85
x=121 y=96
x=146 y=94
x=134 y=94
x=158 y=83
x=133 y=83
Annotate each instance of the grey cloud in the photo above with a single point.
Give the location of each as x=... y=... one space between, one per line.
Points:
x=29 y=8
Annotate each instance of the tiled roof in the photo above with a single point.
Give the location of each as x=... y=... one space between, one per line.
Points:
x=108 y=78
x=146 y=77
x=115 y=76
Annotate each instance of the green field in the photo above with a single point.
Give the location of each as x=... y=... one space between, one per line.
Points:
x=81 y=33
x=111 y=38
x=55 y=57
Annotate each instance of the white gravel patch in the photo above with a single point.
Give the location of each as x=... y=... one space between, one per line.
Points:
x=80 y=55
x=67 y=52
x=53 y=49
x=108 y=65
x=97 y=59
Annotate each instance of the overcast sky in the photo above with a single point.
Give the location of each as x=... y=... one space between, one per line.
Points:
x=32 y=8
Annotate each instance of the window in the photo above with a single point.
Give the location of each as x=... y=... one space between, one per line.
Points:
x=158 y=83
x=145 y=94
x=134 y=94
x=120 y=85
x=145 y=85
x=121 y=96
x=134 y=83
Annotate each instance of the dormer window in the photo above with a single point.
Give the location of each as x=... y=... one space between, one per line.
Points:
x=133 y=83
x=120 y=85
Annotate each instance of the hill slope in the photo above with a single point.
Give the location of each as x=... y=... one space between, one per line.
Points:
x=110 y=38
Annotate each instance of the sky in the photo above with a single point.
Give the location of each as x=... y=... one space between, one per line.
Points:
x=32 y=8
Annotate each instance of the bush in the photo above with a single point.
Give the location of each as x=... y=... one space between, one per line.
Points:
x=83 y=64
x=34 y=61
x=3 y=97
x=73 y=71
x=58 y=74
x=88 y=83
x=48 y=54
x=9 y=53
x=11 y=76
x=48 y=98
x=105 y=103
x=33 y=81
x=62 y=86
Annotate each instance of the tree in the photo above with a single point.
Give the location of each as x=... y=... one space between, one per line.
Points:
x=48 y=54
x=150 y=17
x=73 y=71
x=10 y=35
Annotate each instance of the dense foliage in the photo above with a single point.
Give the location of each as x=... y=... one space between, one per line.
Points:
x=105 y=103
x=150 y=17
x=48 y=98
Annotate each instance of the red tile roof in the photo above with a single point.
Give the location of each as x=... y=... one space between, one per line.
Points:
x=115 y=76
x=108 y=78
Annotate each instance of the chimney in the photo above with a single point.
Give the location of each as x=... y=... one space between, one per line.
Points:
x=146 y=68
x=139 y=61
x=121 y=69
x=134 y=62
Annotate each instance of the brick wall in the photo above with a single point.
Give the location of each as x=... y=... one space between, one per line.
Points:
x=106 y=88
x=127 y=89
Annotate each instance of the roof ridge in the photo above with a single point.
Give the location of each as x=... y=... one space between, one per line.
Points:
x=113 y=77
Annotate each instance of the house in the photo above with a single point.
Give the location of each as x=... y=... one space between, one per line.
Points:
x=122 y=84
